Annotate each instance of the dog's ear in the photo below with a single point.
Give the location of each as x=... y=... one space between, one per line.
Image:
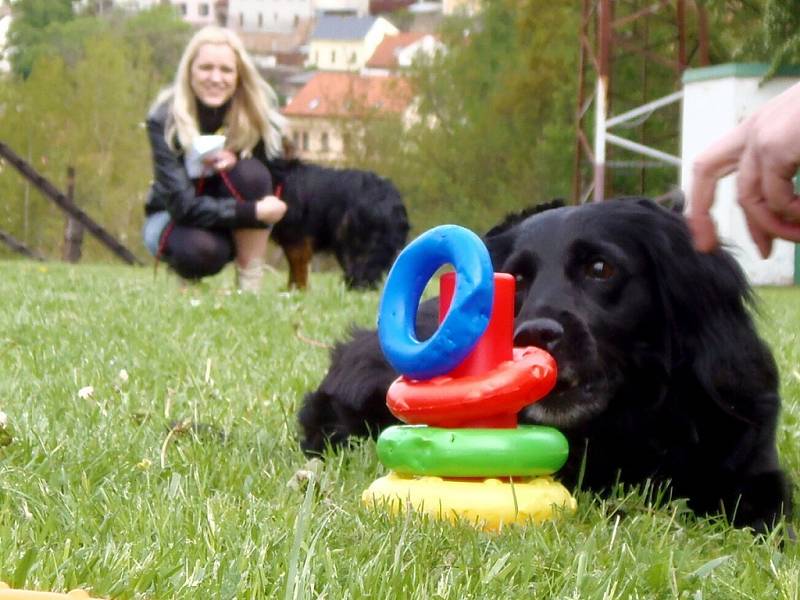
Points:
x=500 y=238
x=512 y=219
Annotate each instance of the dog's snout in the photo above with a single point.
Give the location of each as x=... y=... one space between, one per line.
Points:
x=542 y=333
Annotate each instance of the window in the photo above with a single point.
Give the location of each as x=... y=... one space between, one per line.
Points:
x=353 y=58
x=305 y=141
x=202 y=9
x=182 y=8
x=333 y=57
x=295 y=139
x=260 y=20
x=241 y=19
x=324 y=143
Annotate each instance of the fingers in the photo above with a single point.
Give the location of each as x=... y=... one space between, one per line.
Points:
x=718 y=160
x=704 y=233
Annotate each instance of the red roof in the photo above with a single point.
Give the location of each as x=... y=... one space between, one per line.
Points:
x=334 y=94
x=385 y=55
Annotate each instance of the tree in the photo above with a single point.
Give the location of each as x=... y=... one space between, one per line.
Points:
x=30 y=29
x=495 y=125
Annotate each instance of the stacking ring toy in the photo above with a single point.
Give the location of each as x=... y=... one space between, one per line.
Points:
x=491 y=503
x=527 y=451
x=469 y=311
x=455 y=401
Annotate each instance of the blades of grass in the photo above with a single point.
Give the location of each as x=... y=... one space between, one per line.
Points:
x=23 y=566
x=301 y=522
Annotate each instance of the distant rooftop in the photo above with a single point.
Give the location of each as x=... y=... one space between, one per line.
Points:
x=331 y=27
x=330 y=94
x=385 y=55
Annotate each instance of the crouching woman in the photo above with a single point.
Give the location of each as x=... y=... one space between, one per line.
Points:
x=206 y=209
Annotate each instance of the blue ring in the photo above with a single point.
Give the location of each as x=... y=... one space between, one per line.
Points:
x=469 y=312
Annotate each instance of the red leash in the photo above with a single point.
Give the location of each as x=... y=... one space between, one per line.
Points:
x=162 y=243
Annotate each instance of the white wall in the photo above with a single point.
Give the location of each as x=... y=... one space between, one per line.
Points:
x=5 y=22
x=715 y=100
x=274 y=16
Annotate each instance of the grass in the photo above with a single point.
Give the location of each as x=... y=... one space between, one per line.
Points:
x=95 y=492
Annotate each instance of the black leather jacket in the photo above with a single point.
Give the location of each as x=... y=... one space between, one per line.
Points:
x=172 y=189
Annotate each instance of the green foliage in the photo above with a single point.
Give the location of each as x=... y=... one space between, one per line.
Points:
x=782 y=31
x=95 y=492
x=82 y=105
x=495 y=117
x=34 y=21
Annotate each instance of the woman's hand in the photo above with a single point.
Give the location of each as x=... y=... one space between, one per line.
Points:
x=270 y=209
x=222 y=160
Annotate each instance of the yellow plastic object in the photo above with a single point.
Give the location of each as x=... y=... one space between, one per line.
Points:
x=489 y=503
x=6 y=593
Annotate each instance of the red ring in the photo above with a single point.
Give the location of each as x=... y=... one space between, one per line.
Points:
x=466 y=401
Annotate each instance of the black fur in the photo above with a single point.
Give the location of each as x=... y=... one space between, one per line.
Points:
x=356 y=215
x=662 y=374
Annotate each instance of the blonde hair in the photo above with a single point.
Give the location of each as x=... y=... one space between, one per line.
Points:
x=253 y=113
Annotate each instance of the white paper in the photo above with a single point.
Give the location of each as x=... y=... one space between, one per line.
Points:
x=202 y=146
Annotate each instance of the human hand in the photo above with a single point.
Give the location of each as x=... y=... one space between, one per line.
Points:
x=270 y=209
x=221 y=160
x=765 y=149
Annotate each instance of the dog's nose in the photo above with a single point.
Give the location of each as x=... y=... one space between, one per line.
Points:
x=542 y=333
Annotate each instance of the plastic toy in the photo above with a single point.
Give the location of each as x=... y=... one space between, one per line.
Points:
x=461 y=328
x=6 y=593
x=526 y=451
x=473 y=403
x=488 y=503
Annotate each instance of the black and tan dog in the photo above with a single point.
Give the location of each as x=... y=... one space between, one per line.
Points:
x=357 y=216
x=662 y=375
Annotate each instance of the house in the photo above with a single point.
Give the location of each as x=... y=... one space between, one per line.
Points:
x=397 y=52
x=320 y=114
x=195 y=12
x=269 y=16
x=5 y=22
x=346 y=43
x=202 y=12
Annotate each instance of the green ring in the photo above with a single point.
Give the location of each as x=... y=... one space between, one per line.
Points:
x=528 y=450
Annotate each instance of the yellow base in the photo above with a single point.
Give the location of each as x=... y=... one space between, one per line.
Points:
x=8 y=594
x=490 y=503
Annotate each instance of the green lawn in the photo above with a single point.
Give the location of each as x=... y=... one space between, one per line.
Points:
x=95 y=492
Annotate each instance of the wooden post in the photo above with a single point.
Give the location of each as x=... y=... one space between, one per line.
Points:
x=73 y=229
x=65 y=204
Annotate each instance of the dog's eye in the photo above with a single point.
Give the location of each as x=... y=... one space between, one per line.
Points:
x=599 y=269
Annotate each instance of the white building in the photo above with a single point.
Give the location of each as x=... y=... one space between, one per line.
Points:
x=5 y=22
x=346 y=43
x=201 y=12
x=268 y=16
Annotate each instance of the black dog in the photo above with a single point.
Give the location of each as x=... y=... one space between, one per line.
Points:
x=662 y=375
x=356 y=215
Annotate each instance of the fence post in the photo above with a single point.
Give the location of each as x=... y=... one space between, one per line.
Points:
x=73 y=229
